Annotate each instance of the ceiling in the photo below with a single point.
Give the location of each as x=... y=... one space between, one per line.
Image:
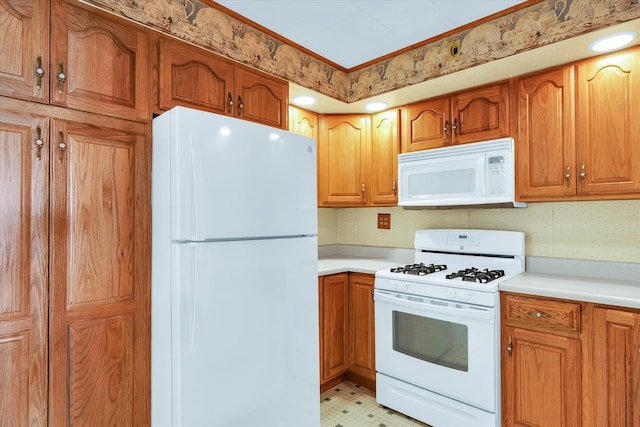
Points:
x=352 y=32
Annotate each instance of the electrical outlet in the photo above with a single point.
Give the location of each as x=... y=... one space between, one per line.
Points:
x=384 y=221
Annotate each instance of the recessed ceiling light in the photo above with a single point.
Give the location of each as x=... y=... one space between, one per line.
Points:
x=613 y=41
x=376 y=106
x=304 y=100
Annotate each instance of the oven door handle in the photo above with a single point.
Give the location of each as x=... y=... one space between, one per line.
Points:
x=427 y=307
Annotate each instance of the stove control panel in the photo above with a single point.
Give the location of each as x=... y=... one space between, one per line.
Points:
x=488 y=299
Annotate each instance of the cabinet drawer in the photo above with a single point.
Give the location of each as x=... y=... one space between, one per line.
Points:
x=543 y=314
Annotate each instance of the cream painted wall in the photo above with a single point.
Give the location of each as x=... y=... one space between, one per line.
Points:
x=606 y=231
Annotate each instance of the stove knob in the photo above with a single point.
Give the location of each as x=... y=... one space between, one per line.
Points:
x=464 y=296
x=406 y=286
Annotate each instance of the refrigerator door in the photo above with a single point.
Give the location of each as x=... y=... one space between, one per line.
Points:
x=232 y=179
x=243 y=343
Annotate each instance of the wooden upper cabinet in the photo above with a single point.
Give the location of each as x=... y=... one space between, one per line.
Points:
x=343 y=152
x=545 y=150
x=98 y=64
x=470 y=116
x=193 y=77
x=480 y=114
x=607 y=125
x=426 y=125
x=303 y=122
x=260 y=97
x=99 y=366
x=24 y=72
x=385 y=141
x=24 y=219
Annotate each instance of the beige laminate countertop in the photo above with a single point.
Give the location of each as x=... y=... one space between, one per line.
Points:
x=540 y=279
x=623 y=293
x=344 y=263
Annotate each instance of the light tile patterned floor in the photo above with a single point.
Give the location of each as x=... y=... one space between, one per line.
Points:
x=350 y=405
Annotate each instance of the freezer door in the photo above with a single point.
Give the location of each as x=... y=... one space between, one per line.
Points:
x=243 y=335
x=234 y=179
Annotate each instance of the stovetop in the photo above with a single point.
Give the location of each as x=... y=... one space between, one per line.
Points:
x=457 y=264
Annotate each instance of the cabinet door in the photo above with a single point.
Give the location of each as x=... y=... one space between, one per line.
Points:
x=426 y=125
x=303 y=122
x=343 y=155
x=384 y=158
x=363 y=325
x=608 y=151
x=24 y=179
x=541 y=379
x=24 y=26
x=545 y=152
x=480 y=114
x=260 y=98
x=192 y=77
x=105 y=63
x=334 y=326
x=99 y=359
x=616 y=367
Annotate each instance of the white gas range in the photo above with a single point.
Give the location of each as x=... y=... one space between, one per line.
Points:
x=437 y=326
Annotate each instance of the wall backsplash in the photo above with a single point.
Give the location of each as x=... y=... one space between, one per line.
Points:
x=605 y=231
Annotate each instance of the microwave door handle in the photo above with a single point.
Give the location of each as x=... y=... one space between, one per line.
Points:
x=426 y=307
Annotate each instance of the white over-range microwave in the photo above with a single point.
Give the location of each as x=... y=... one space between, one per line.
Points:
x=480 y=174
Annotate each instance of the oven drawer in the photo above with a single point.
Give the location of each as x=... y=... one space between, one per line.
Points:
x=548 y=315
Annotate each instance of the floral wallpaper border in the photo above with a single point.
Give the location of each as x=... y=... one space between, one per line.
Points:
x=543 y=23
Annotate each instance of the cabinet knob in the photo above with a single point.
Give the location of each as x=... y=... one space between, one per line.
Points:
x=229 y=104
x=39 y=73
x=62 y=77
x=583 y=173
x=394 y=187
x=567 y=174
x=39 y=143
x=509 y=346
x=446 y=128
x=363 y=189
x=454 y=127
x=538 y=314
x=61 y=146
x=240 y=106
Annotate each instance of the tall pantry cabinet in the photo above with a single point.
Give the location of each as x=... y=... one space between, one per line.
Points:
x=74 y=217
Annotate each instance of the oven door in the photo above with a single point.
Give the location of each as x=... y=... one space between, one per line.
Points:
x=442 y=346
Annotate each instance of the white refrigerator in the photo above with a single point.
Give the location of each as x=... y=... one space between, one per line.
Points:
x=234 y=322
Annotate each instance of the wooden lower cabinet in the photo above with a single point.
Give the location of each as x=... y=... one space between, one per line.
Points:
x=615 y=367
x=75 y=301
x=363 y=339
x=541 y=379
x=334 y=325
x=347 y=333
x=541 y=362
x=569 y=363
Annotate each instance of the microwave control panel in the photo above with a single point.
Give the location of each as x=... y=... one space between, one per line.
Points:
x=496 y=171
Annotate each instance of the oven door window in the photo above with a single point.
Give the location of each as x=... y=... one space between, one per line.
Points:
x=436 y=341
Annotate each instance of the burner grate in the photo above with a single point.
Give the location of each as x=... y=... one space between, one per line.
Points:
x=420 y=269
x=475 y=275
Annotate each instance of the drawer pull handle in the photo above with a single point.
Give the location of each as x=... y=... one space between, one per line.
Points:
x=538 y=314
